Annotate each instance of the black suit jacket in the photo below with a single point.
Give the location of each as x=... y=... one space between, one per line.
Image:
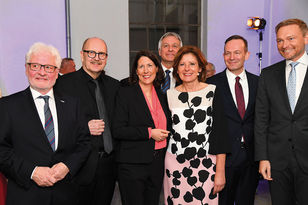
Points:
x=237 y=127
x=76 y=84
x=278 y=132
x=131 y=122
x=24 y=145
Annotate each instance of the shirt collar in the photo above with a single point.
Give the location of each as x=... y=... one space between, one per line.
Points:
x=230 y=75
x=302 y=60
x=164 y=68
x=37 y=94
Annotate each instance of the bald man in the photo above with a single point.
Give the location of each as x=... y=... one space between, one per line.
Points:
x=97 y=91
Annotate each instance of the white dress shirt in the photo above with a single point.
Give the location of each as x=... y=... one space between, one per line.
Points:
x=301 y=70
x=244 y=83
x=39 y=103
x=172 y=80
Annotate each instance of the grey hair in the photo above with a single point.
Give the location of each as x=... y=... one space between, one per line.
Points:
x=169 y=34
x=39 y=47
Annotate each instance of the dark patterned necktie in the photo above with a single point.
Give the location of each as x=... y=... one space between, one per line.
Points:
x=166 y=84
x=239 y=97
x=291 y=87
x=107 y=138
x=49 y=126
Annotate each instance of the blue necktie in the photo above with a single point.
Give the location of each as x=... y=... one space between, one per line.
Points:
x=49 y=126
x=291 y=87
x=166 y=84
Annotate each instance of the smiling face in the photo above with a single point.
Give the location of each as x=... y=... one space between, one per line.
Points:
x=40 y=80
x=291 y=42
x=146 y=71
x=235 y=55
x=188 y=68
x=170 y=45
x=93 y=66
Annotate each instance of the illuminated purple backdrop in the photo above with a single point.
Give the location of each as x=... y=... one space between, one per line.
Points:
x=21 y=24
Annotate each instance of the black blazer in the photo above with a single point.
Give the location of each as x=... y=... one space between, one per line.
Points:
x=24 y=145
x=76 y=84
x=131 y=122
x=279 y=133
x=236 y=125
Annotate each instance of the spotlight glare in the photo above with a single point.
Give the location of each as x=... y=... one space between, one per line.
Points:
x=256 y=23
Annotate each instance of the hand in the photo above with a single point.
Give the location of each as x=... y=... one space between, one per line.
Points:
x=96 y=127
x=265 y=169
x=43 y=176
x=60 y=170
x=159 y=134
x=219 y=182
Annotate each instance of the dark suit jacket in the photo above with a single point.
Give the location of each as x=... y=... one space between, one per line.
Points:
x=24 y=145
x=236 y=125
x=131 y=122
x=278 y=132
x=76 y=84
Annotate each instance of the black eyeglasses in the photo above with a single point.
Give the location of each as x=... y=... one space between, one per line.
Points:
x=47 y=68
x=92 y=54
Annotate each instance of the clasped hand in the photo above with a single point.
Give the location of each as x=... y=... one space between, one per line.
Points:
x=159 y=134
x=96 y=127
x=46 y=176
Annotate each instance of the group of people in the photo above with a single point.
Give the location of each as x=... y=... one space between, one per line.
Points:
x=68 y=139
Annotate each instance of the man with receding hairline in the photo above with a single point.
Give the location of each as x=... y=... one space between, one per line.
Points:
x=97 y=92
x=281 y=125
x=239 y=88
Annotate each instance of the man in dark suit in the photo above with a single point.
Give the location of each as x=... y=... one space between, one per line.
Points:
x=281 y=127
x=42 y=142
x=239 y=89
x=98 y=175
x=168 y=46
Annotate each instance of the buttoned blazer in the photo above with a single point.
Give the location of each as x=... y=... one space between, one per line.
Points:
x=279 y=133
x=131 y=122
x=76 y=85
x=238 y=127
x=24 y=145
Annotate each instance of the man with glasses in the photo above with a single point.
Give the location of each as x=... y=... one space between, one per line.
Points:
x=43 y=143
x=97 y=93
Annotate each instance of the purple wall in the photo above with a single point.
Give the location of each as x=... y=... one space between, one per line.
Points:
x=21 y=24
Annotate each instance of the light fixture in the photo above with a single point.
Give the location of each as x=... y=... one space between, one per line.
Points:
x=256 y=23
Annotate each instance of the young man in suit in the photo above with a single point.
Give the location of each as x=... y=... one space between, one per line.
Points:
x=42 y=141
x=97 y=92
x=239 y=89
x=281 y=127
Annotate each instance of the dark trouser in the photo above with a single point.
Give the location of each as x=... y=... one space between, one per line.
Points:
x=100 y=190
x=289 y=186
x=140 y=184
x=242 y=180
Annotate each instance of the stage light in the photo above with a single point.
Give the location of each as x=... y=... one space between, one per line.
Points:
x=256 y=23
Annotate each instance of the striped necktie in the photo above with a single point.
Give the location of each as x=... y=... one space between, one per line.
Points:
x=291 y=87
x=166 y=84
x=49 y=126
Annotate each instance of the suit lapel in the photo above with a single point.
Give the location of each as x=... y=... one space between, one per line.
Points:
x=144 y=106
x=61 y=114
x=303 y=92
x=251 y=88
x=281 y=73
x=229 y=98
x=33 y=111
